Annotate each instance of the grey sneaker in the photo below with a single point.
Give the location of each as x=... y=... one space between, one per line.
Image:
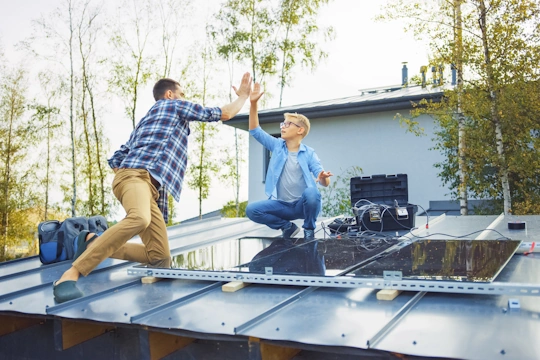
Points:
x=291 y=231
x=309 y=234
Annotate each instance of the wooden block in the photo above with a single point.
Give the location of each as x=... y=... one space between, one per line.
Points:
x=69 y=333
x=9 y=324
x=265 y=351
x=161 y=344
x=388 y=294
x=149 y=279
x=234 y=286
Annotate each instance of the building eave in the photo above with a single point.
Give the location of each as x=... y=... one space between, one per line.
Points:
x=339 y=108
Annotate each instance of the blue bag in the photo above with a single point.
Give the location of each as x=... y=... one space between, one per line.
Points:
x=58 y=240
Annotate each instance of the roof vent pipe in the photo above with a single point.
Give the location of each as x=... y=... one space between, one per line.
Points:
x=423 y=71
x=404 y=75
x=454 y=75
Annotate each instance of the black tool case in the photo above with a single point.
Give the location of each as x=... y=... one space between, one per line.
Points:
x=381 y=202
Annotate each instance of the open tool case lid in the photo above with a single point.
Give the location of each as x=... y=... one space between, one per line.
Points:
x=380 y=189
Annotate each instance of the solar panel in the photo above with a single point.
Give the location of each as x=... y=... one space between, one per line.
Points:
x=254 y=254
x=459 y=260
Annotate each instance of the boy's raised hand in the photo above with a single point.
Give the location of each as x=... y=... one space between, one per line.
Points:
x=256 y=93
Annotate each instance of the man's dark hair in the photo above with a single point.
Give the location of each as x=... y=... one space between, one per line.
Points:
x=162 y=86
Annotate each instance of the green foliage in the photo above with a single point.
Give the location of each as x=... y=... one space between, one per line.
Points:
x=498 y=46
x=229 y=209
x=17 y=183
x=132 y=67
x=203 y=167
x=298 y=19
x=247 y=27
x=230 y=167
x=336 y=197
x=272 y=37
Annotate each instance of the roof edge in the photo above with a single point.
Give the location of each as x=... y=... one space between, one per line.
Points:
x=341 y=109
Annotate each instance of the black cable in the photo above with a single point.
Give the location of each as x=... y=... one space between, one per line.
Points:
x=457 y=237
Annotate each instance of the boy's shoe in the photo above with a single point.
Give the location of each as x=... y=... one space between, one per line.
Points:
x=309 y=234
x=291 y=231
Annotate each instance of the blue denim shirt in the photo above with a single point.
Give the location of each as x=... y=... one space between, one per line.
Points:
x=307 y=158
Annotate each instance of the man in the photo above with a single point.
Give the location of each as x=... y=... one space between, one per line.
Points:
x=291 y=178
x=152 y=161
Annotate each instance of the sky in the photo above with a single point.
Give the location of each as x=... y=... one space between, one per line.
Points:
x=364 y=54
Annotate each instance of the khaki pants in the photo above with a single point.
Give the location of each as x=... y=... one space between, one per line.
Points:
x=134 y=190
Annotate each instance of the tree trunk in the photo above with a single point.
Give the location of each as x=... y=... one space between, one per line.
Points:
x=201 y=159
x=134 y=103
x=237 y=199
x=89 y=160
x=98 y=149
x=458 y=38
x=253 y=58
x=48 y=164
x=282 y=77
x=71 y=119
x=503 y=169
x=7 y=176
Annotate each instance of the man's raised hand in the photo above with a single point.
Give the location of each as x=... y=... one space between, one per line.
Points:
x=245 y=86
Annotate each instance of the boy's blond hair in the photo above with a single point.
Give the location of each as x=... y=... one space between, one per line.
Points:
x=301 y=120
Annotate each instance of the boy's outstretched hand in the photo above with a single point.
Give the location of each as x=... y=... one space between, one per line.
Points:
x=324 y=178
x=256 y=93
x=245 y=86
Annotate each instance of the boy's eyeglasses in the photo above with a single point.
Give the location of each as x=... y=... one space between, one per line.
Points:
x=286 y=124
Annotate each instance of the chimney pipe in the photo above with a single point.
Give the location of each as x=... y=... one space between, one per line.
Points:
x=423 y=71
x=404 y=75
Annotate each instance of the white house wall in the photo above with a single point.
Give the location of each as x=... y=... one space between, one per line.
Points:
x=375 y=142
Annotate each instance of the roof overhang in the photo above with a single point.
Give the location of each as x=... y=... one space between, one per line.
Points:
x=338 y=108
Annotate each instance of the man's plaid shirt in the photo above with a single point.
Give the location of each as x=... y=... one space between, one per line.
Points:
x=159 y=142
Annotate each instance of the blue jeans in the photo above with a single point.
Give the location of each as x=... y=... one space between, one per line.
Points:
x=276 y=213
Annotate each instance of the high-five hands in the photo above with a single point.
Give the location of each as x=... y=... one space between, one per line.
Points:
x=245 y=86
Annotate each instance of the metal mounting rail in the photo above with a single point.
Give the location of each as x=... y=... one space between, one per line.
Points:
x=494 y=288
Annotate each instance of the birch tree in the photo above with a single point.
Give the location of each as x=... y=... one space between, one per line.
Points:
x=248 y=27
x=500 y=42
x=458 y=63
x=297 y=36
x=47 y=118
x=52 y=40
x=88 y=34
x=202 y=164
x=17 y=135
x=132 y=63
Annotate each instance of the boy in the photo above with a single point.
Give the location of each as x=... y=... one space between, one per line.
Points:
x=290 y=181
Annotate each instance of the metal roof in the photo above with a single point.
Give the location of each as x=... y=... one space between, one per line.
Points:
x=370 y=100
x=335 y=320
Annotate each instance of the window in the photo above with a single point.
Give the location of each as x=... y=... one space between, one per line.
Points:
x=267 y=154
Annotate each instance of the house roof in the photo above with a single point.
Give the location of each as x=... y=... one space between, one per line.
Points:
x=368 y=101
x=324 y=319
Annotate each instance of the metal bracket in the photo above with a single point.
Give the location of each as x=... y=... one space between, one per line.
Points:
x=269 y=270
x=392 y=275
x=456 y=287
x=514 y=303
